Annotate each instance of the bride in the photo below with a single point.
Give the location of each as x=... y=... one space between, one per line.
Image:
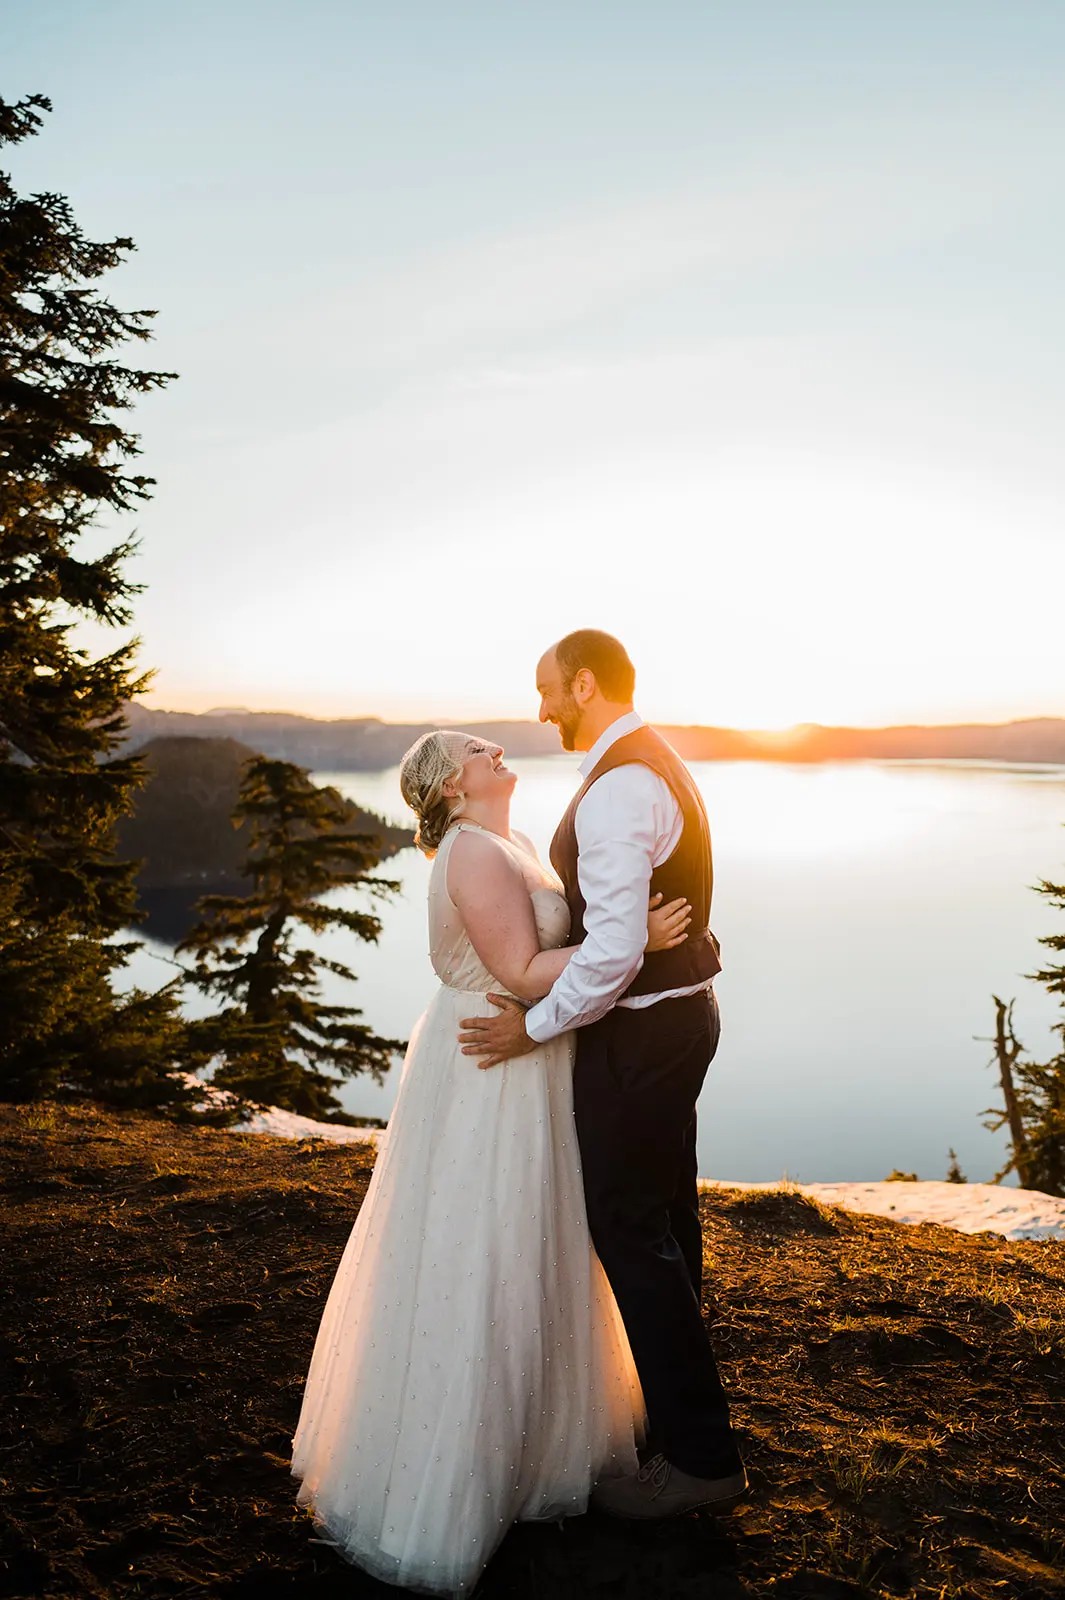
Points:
x=471 y=1368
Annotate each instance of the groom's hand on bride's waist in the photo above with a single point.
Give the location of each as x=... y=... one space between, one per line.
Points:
x=496 y=1039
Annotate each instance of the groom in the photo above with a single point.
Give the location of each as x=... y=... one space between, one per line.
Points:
x=648 y=1028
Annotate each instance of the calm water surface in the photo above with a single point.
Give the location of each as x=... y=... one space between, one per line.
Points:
x=866 y=911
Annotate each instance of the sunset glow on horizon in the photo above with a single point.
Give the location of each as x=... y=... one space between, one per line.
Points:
x=732 y=332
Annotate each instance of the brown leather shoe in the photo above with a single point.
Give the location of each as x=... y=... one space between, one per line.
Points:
x=660 y=1489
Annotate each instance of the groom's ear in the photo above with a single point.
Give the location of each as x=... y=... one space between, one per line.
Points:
x=584 y=685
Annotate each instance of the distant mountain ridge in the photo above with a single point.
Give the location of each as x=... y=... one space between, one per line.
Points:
x=367 y=744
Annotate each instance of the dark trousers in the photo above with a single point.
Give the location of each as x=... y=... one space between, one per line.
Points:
x=637 y=1077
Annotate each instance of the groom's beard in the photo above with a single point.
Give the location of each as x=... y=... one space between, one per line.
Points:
x=568 y=722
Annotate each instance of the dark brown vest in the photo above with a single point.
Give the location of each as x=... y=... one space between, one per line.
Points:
x=689 y=871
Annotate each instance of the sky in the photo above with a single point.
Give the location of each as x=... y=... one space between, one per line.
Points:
x=735 y=329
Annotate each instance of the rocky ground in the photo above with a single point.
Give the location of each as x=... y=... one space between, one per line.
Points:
x=900 y=1391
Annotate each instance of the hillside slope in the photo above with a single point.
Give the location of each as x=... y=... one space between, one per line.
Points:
x=898 y=1390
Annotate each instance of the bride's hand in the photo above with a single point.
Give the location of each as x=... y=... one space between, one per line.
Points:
x=667 y=925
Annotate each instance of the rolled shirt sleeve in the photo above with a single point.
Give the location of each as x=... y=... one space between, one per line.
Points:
x=621 y=825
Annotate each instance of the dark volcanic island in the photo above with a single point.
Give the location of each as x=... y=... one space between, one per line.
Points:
x=183 y=833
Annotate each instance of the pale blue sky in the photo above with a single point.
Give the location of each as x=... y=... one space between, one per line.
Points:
x=736 y=329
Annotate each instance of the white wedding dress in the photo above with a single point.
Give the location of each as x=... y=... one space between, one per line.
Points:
x=471 y=1368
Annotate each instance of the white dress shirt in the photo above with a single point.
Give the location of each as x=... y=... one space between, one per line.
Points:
x=627 y=824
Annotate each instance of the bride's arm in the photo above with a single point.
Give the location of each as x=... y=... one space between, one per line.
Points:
x=489 y=890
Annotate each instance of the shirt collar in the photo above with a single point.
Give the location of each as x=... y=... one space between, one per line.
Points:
x=628 y=722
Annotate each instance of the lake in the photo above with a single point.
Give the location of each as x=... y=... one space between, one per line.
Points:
x=866 y=910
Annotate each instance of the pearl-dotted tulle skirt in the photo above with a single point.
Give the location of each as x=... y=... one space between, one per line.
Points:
x=471 y=1368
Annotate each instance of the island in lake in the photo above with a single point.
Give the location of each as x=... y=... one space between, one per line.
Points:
x=182 y=830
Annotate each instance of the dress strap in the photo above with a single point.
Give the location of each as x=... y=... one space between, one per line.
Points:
x=509 y=845
x=450 y=835
x=462 y=827
x=475 y=827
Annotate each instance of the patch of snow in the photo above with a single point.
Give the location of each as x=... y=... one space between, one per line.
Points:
x=283 y=1124
x=287 y=1125
x=968 y=1207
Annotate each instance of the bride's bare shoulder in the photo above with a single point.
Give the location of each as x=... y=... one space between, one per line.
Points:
x=477 y=858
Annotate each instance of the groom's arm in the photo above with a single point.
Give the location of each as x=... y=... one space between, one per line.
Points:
x=621 y=825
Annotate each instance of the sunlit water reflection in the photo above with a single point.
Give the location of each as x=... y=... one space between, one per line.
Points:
x=866 y=912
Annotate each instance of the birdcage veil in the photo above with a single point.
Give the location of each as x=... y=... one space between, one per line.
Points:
x=426 y=767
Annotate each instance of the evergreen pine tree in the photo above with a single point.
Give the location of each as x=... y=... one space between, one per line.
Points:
x=1042 y=1084
x=64 y=456
x=954 y=1172
x=275 y=1036
x=1034 y=1091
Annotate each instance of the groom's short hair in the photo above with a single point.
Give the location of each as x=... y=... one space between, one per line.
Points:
x=602 y=654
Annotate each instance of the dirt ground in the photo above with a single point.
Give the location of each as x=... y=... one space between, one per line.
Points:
x=899 y=1392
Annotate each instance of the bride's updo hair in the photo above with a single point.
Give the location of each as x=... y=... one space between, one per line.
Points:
x=426 y=767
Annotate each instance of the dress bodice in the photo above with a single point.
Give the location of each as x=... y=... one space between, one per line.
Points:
x=454 y=959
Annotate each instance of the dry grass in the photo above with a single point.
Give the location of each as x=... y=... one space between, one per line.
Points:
x=899 y=1391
